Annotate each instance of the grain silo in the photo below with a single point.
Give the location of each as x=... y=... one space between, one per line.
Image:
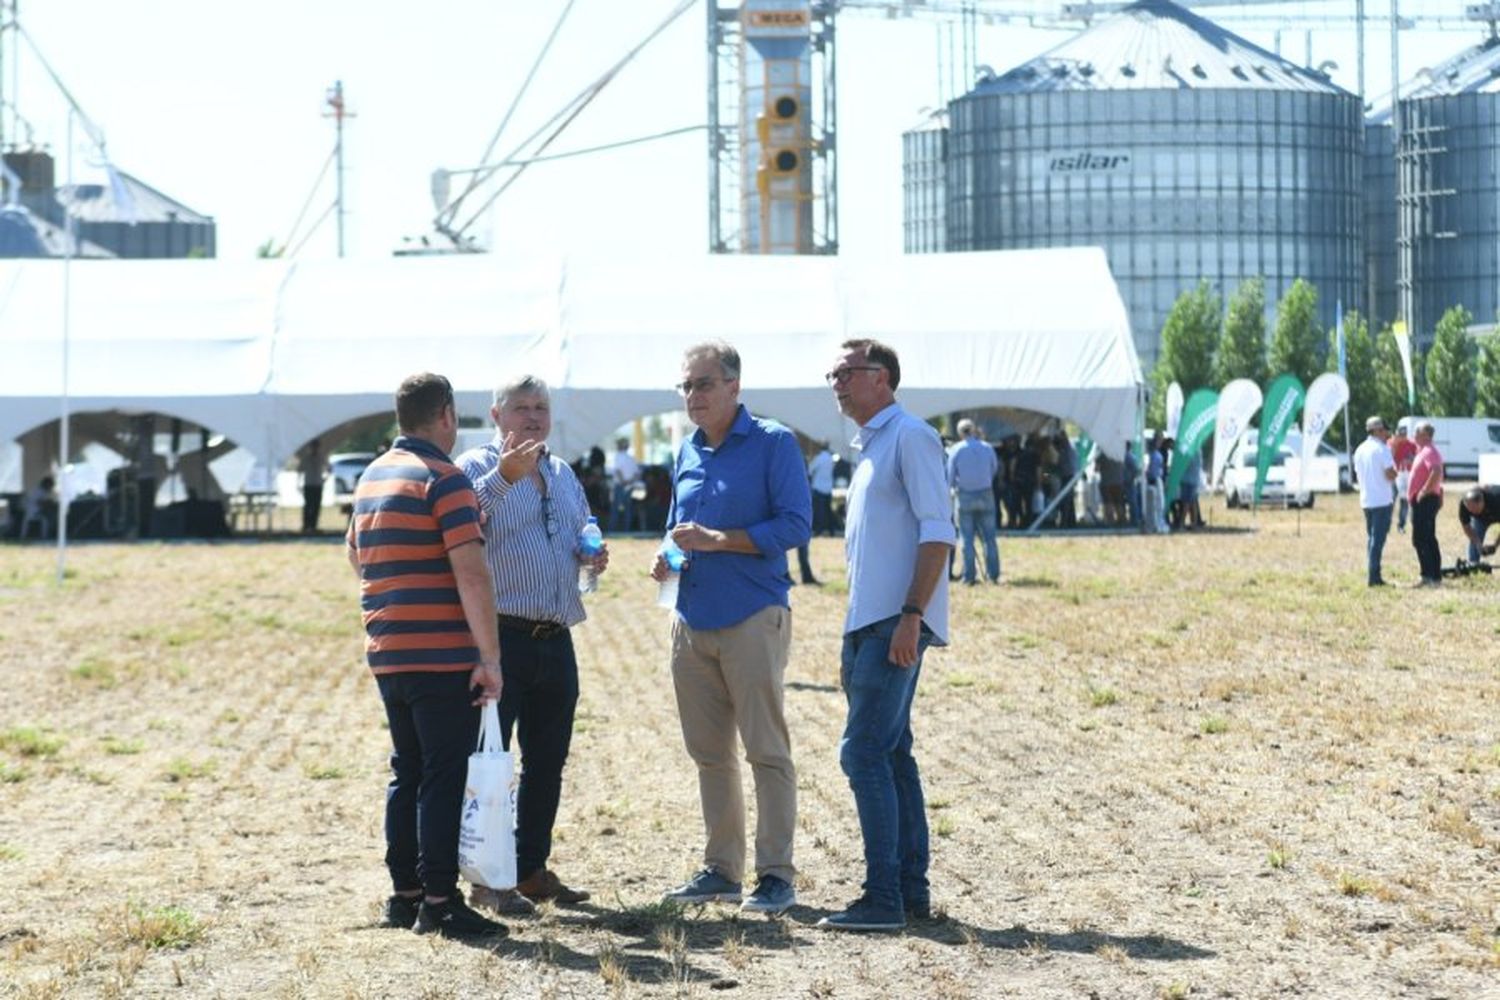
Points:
x=1183 y=150
x=924 y=157
x=1448 y=183
x=1381 y=302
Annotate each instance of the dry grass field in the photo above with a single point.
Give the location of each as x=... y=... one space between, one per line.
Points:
x=1213 y=765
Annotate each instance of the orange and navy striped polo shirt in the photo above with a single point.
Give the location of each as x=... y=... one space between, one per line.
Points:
x=413 y=506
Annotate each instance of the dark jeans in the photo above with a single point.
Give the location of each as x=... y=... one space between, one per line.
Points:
x=1424 y=537
x=434 y=727
x=1377 y=526
x=875 y=754
x=804 y=563
x=538 y=699
x=312 y=506
x=822 y=513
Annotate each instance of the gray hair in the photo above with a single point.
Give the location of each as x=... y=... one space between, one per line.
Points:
x=966 y=427
x=1374 y=424
x=727 y=357
x=1425 y=427
x=521 y=385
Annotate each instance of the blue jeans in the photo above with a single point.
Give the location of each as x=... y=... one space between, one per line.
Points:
x=875 y=754
x=976 y=513
x=620 y=506
x=537 y=700
x=1480 y=526
x=1377 y=526
x=434 y=727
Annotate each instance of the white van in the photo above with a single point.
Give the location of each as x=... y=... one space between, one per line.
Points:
x=1460 y=440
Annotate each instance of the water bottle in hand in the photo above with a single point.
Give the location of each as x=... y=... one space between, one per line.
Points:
x=590 y=544
x=666 y=594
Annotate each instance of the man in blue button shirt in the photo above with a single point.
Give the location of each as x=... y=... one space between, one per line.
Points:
x=971 y=472
x=898 y=535
x=740 y=500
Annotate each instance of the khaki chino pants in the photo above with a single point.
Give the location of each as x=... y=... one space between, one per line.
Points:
x=730 y=680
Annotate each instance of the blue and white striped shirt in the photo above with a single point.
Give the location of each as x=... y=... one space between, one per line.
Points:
x=531 y=539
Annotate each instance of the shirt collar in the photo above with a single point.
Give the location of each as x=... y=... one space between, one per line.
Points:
x=419 y=446
x=739 y=428
x=875 y=423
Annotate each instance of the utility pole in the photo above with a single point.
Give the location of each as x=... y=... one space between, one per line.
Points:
x=338 y=114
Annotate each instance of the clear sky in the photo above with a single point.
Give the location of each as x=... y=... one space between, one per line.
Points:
x=220 y=104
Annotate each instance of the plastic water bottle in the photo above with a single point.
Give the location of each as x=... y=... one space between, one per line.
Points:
x=590 y=544
x=666 y=594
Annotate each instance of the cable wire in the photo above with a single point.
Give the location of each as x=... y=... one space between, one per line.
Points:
x=569 y=112
x=452 y=208
x=302 y=213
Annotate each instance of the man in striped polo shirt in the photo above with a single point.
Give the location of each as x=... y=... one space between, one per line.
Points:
x=535 y=508
x=415 y=543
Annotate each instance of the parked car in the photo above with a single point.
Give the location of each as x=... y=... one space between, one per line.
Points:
x=1460 y=440
x=1239 y=474
x=344 y=470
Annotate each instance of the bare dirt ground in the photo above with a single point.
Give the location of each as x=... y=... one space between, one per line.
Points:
x=1211 y=765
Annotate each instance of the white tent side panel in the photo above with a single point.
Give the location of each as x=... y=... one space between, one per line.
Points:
x=273 y=354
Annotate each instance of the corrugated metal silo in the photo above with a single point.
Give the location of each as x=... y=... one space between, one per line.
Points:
x=1448 y=177
x=924 y=159
x=1381 y=301
x=1183 y=150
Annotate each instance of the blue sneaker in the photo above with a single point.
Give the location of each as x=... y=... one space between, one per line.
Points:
x=863 y=915
x=708 y=886
x=772 y=895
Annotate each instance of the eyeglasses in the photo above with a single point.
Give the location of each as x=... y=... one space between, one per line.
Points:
x=688 y=386
x=841 y=375
x=549 y=519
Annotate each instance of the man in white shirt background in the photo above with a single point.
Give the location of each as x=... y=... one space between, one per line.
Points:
x=1375 y=470
x=820 y=478
x=624 y=473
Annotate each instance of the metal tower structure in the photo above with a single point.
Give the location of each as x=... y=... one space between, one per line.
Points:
x=772 y=131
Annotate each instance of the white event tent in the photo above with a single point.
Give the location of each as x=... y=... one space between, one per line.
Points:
x=272 y=354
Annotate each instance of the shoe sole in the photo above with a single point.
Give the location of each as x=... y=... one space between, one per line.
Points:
x=713 y=897
x=751 y=906
x=830 y=926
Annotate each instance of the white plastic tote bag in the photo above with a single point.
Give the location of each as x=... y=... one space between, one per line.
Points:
x=487 y=833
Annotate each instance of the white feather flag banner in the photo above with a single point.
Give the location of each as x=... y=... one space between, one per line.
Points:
x=1325 y=397
x=1237 y=404
x=1174 y=409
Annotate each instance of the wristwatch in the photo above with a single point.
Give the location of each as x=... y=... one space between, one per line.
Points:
x=911 y=609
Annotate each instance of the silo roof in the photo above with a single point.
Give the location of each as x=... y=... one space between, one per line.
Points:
x=127 y=199
x=1157 y=45
x=1475 y=70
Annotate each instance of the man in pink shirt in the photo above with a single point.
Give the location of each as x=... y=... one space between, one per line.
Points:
x=1425 y=492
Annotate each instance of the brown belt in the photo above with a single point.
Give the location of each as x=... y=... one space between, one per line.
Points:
x=535 y=629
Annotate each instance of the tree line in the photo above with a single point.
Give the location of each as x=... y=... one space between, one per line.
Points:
x=1203 y=343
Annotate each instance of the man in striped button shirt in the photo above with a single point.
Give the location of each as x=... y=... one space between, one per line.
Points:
x=415 y=544
x=535 y=508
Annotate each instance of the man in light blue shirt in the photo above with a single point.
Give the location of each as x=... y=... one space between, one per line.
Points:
x=971 y=473
x=740 y=500
x=898 y=535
